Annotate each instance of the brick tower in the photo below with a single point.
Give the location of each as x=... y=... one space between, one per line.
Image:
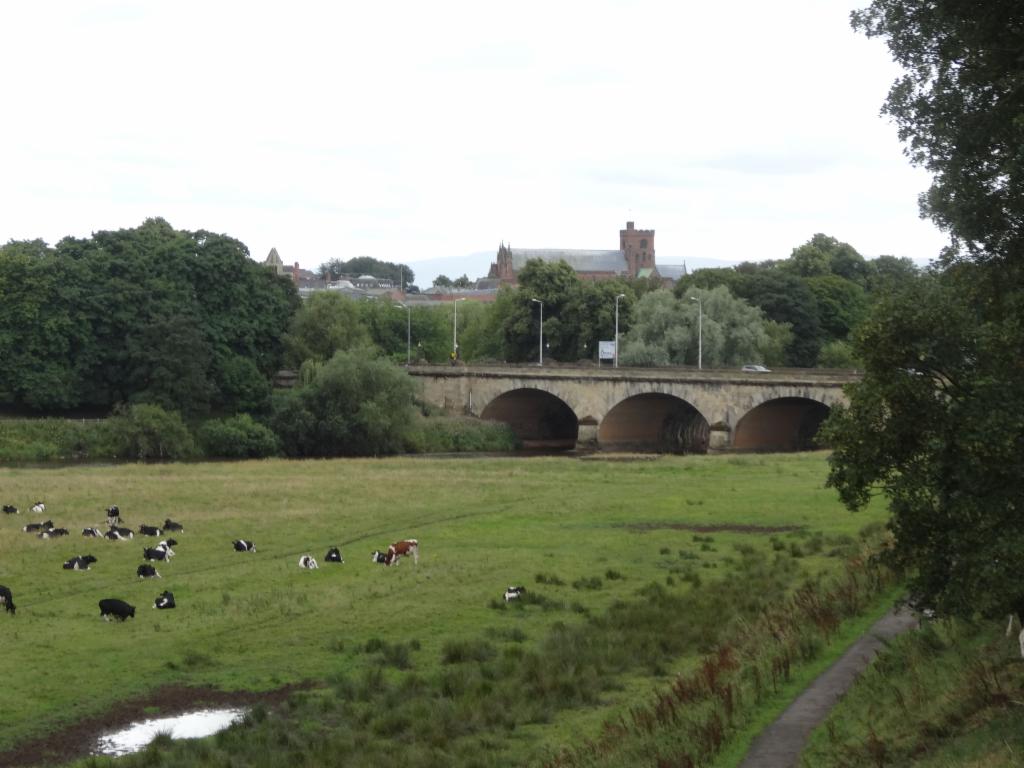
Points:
x=638 y=246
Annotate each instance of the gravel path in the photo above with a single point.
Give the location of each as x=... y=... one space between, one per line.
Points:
x=780 y=744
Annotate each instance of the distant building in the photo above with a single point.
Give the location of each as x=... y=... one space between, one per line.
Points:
x=634 y=258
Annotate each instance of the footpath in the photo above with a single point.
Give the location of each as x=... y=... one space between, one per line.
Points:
x=780 y=744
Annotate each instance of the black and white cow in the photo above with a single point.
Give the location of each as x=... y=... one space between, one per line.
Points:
x=514 y=593
x=53 y=533
x=241 y=545
x=113 y=515
x=120 y=533
x=10 y=509
x=150 y=530
x=38 y=508
x=308 y=562
x=154 y=554
x=36 y=527
x=80 y=563
x=164 y=600
x=91 y=533
x=7 y=599
x=146 y=571
x=119 y=609
x=398 y=550
x=170 y=525
x=334 y=556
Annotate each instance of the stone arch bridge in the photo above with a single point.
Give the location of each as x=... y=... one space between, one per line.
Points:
x=675 y=410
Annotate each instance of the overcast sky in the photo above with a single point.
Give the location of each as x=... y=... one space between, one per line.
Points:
x=421 y=130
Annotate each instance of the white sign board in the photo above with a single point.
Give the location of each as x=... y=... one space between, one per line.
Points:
x=606 y=350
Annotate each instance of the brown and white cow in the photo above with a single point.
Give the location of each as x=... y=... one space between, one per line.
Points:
x=399 y=549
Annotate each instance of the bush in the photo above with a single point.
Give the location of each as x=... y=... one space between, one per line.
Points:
x=146 y=432
x=239 y=437
x=50 y=439
x=456 y=434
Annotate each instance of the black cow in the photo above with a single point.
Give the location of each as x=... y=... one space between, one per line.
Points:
x=514 y=593
x=121 y=533
x=7 y=599
x=119 y=609
x=154 y=554
x=10 y=509
x=80 y=563
x=241 y=545
x=145 y=571
x=91 y=533
x=113 y=515
x=150 y=530
x=164 y=600
x=53 y=533
x=170 y=525
x=35 y=527
x=334 y=556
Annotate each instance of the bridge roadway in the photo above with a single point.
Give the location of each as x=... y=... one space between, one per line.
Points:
x=680 y=410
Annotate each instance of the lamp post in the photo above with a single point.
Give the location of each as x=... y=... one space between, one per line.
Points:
x=540 y=344
x=455 y=330
x=620 y=296
x=408 y=333
x=700 y=331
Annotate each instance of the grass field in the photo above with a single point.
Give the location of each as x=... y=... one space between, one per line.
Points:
x=598 y=530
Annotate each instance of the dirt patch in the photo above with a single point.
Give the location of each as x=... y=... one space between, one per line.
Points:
x=76 y=740
x=615 y=457
x=724 y=528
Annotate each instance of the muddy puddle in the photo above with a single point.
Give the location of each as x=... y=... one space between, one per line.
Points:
x=190 y=725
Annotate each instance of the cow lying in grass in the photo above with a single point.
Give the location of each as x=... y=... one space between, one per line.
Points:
x=7 y=599
x=93 y=533
x=38 y=508
x=119 y=609
x=164 y=601
x=10 y=509
x=53 y=533
x=241 y=545
x=36 y=527
x=119 y=534
x=170 y=525
x=80 y=563
x=513 y=593
x=334 y=556
x=396 y=551
x=308 y=562
x=146 y=571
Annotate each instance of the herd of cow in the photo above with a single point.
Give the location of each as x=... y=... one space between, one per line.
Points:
x=163 y=552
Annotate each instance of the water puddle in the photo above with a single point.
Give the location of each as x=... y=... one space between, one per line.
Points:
x=191 y=725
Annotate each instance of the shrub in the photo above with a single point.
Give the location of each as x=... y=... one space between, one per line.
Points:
x=457 y=434
x=146 y=432
x=238 y=437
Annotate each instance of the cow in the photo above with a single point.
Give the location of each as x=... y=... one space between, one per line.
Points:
x=121 y=533
x=170 y=525
x=38 y=508
x=93 y=533
x=36 y=527
x=10 y=509
x=241 y=545
x=113 y=515
x=334 y=556
x=380 y=558
x=513 y=593
x=80 y=563
x=398 y=550
x=52 y=533
x=164 y=600
x=150 y=530
x=308 y=562
x=113 y=535
x=154 y=553
x=119 y=609
x=7 y=599
x=145 y=571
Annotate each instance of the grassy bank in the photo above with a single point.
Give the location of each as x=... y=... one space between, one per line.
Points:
x=585 y=536
x=948 y=696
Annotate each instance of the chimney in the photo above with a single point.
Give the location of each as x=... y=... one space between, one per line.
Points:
x=629 y=225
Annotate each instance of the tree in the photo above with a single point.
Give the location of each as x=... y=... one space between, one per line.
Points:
x=937 y=423
x=442 y=281
x=325 y=324
x=462 y=282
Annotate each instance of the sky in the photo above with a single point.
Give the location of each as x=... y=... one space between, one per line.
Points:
x=412 y=131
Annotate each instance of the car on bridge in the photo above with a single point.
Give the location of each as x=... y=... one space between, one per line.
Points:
x=755 y=369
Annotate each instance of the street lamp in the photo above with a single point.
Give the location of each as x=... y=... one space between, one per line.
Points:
x=455 y=330
x=408 y=333
x=540 y=343
x=620 y=296
x=700 y=331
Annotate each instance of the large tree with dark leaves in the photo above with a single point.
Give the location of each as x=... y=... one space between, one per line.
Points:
x=937 y=423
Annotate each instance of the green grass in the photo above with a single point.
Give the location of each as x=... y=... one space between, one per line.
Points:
x=256 y=621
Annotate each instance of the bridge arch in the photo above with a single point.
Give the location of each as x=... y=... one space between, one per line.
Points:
x=780 y=424
x=654 y=421
x=538 y=418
